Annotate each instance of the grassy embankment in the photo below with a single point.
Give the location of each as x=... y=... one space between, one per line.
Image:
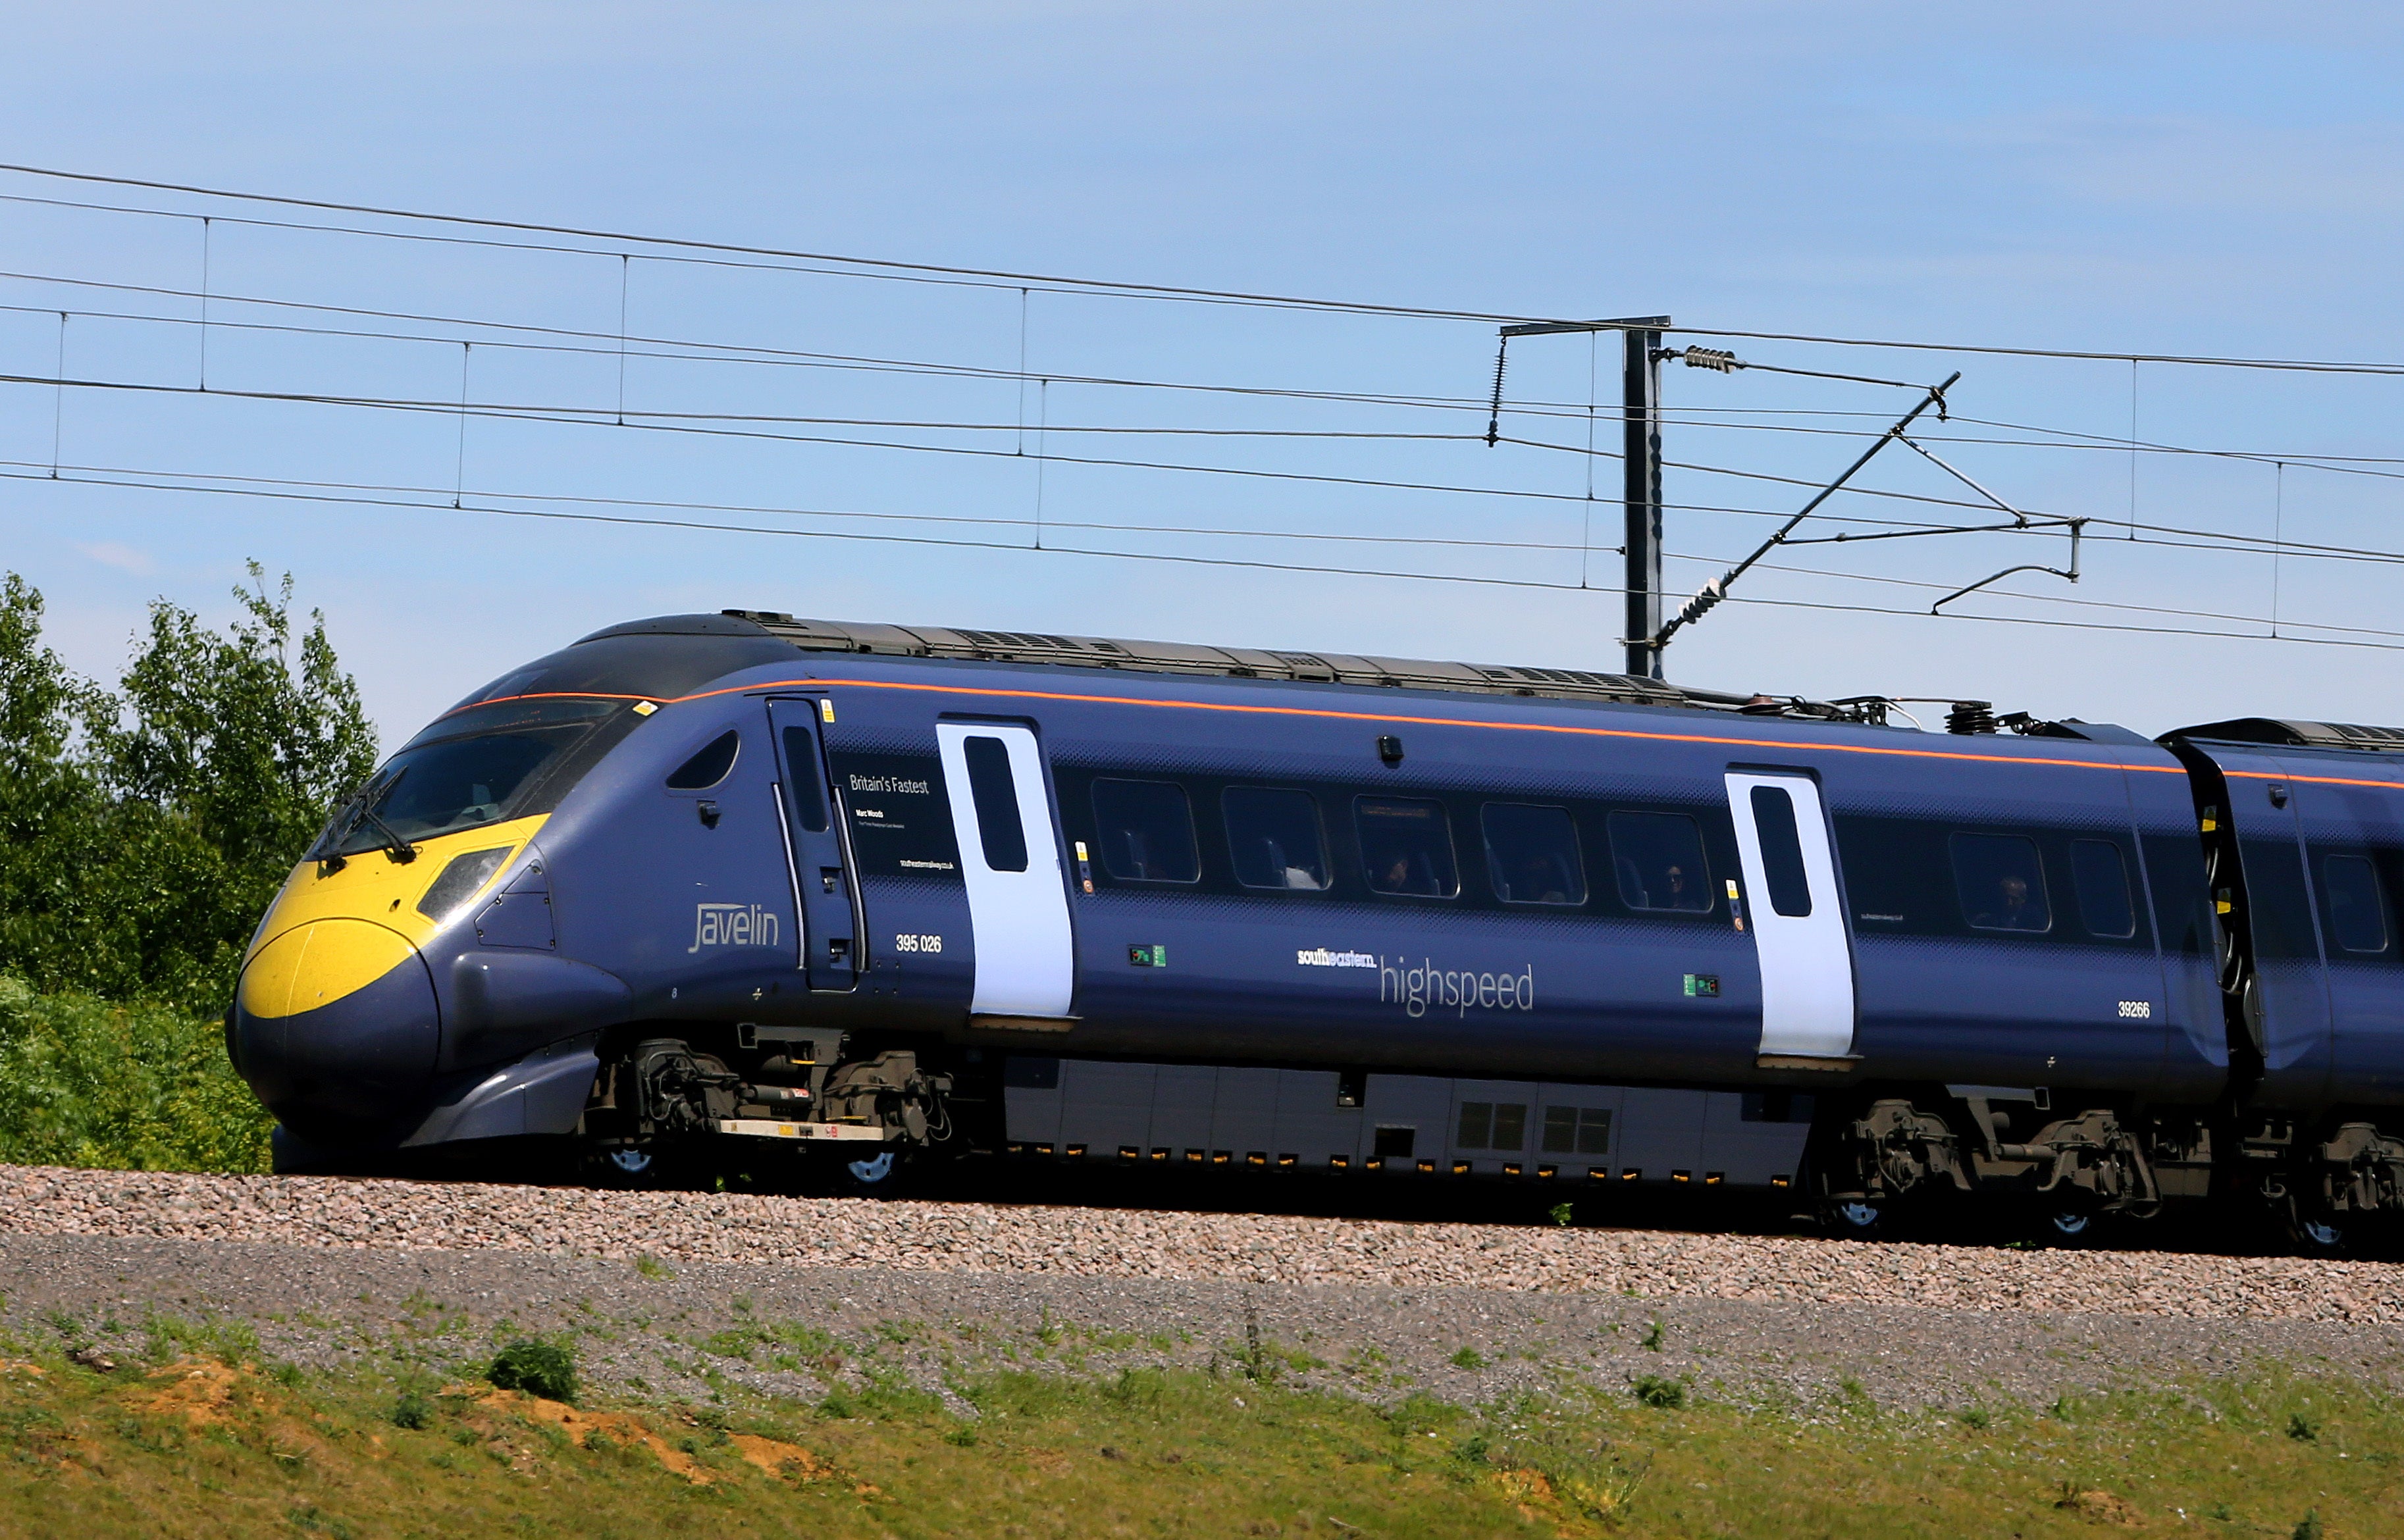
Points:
x=203 y=1440
x=141 y=1087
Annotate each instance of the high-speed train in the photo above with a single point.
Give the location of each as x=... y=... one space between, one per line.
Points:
x=862 y=893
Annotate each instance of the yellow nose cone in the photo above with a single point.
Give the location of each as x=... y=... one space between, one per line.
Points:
x=317 y=964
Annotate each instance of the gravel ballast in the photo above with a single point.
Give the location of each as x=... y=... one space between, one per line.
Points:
x=1097 y=1243
x=692 y=1331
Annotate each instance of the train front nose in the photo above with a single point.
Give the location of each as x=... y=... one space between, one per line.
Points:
x=335 y=1027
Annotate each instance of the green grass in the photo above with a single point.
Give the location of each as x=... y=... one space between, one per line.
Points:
x=188 y=1447
x=135 y=1088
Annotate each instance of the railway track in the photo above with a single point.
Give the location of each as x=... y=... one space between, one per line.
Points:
x=956 y=1236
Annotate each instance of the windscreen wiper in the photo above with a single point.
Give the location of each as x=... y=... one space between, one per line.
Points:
x=338 y=828
x=402 y=850
x=358 y=810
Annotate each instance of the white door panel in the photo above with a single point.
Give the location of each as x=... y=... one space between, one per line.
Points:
x=1026 y=963
x=1799 y=923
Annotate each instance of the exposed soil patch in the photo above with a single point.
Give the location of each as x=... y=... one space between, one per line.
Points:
x=200 y=1393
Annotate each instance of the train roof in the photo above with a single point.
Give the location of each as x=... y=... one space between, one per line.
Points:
x=735 y=634
x=1325 y=668
x=2284 y=734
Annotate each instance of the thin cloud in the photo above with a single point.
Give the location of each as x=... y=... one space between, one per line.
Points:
x=109 y=553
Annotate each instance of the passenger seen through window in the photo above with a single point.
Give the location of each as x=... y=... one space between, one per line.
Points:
x=1147 y=831
x=1275 y=837
x=1658 y=858
x=1532 y=853
x=1405 y=847
x=2000 y=882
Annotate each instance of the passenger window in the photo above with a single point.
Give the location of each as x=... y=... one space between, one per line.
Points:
x=2000 y=882
x=1782 y=852
x=1492 y=1125
x=1147 y=831
x=1405 y=847
x=1577 y=1131
x=809 y=797
x=2101 y=878
x=993 y=794
x=708 y=767
x=1276 y=839
x=1658 y=860
x=2357 y=917
x=1533 y=854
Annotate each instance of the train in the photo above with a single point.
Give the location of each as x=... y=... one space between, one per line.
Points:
x=860 y=898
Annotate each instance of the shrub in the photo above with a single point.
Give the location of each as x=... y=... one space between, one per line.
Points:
x=547 y=1369
x=413 y=1411
x=1654 y=1391
x=1138 y=1387
x=139 y=1088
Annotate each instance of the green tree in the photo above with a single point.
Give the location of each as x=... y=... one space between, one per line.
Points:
x=54 y=808
x=228 y=756
x=149 y=828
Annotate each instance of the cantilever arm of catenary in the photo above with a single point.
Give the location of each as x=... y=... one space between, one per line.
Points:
x=2077 y=526
x=1716 y=589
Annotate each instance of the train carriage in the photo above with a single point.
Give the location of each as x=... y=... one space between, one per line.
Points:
x=876 y=892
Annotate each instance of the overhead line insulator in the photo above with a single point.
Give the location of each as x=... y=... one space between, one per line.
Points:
x=1705 y=598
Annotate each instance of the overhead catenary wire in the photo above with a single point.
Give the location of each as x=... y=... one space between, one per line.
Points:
x=715 y=253
x=440 y=505
x=612 y=510
x=610 y=243
x=604 y=417
x=658 y=421
x=757 y=426
x=1693 y=417
x=590 y=417
x=616 y=345
x=201 y=480
x=599 y=517
x=751 y=353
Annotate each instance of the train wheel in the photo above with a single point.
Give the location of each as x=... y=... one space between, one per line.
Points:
x=2314 y=1232
x=879 y=1173
x=1855 y=1218
x=626 y=1166
x=2068 y=1223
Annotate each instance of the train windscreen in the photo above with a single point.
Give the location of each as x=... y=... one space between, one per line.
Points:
x=472 y=768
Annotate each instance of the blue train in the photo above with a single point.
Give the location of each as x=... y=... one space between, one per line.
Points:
x=865 y=893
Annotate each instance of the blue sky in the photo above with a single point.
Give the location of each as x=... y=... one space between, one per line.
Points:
x=2193 y=179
